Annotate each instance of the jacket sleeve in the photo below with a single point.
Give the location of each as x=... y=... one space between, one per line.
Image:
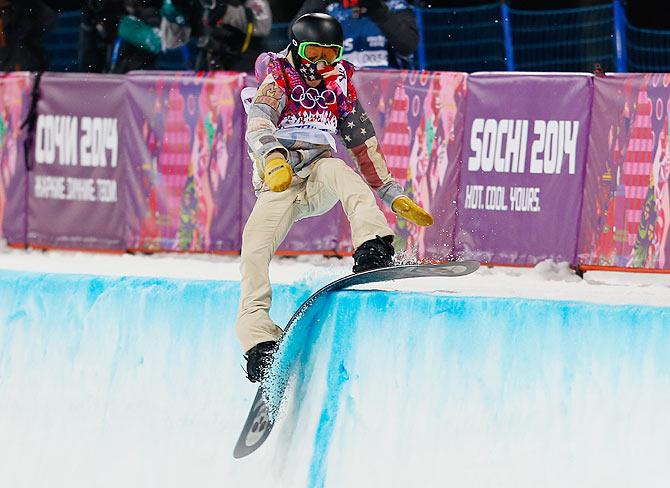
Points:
x=309 y=6
x=262 y=120
x=399 y=28
x=256 y=11
x=359 y=137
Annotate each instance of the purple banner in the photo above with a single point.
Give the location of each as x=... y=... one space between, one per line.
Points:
x=185 y=148
x=626 y=215
x=514 y=167
x=525 y=142
x=419 y=122
x=76 y=196
x=15 y=92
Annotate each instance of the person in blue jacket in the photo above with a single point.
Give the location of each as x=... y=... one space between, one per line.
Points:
x=377 y=33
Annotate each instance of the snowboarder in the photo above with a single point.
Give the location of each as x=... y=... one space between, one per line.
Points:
x=305 y=96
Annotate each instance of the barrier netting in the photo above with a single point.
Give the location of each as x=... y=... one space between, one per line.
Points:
x=563 y=40
x=464 y=39
x=470 y=39
x=648 y=50
x=62 y=42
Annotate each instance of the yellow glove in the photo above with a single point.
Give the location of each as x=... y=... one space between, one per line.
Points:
x=409 y=210
x=278 y=173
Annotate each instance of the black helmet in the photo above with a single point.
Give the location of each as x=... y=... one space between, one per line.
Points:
x=321 y=28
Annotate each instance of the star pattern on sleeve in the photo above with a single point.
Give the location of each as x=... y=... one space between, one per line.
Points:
x=356 y=128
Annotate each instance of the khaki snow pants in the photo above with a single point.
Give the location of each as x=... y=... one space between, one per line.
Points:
x=273 y=215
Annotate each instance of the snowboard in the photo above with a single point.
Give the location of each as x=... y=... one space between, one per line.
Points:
x=258 y=424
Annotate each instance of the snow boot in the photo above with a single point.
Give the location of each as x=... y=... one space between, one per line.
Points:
x=259 y=359
x=375 y=253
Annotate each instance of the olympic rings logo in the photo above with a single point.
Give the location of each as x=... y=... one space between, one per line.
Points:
x=311 y=97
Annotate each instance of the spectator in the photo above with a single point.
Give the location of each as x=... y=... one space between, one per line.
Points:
x=377 y=33
x=119 y=35
x=22 y=25
x=97 y=34
x=138 y=42
x=229 y=32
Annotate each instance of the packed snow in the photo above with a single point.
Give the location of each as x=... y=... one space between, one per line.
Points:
x=137 y=382
x=547 y=280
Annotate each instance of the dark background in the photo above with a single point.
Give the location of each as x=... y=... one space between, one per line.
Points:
x=641 y=13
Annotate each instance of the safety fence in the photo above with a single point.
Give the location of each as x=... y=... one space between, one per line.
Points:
x=648 y=50
x=515 y=168
x=465 y=39
x=490 y=37
x=563 y=40
x=573 y=39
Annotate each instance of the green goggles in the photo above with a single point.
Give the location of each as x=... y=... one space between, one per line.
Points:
x=315 y=52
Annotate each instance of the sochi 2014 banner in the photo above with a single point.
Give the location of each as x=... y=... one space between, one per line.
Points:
x=76 y=181
x=522 y=168
x=185 y=147
x=626 y=212
x=15 y=99
x=418 y=117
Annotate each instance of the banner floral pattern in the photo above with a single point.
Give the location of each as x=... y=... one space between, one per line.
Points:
x=626 y=215
x=15 y=89
x=185 y=184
